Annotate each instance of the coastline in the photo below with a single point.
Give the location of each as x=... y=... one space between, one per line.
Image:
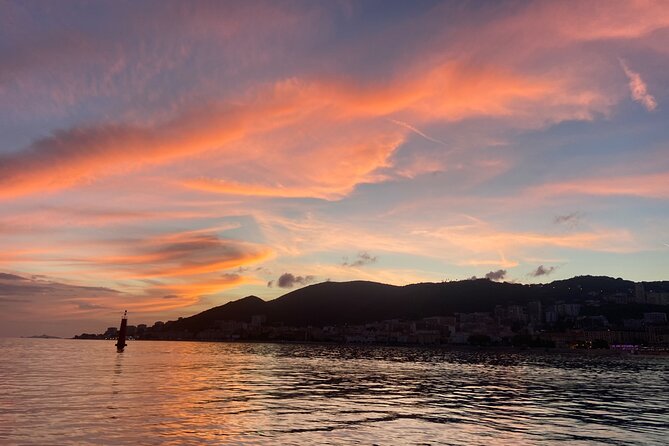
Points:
x=641 y=352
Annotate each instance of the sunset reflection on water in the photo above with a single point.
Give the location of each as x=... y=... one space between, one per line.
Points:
x=83 y=392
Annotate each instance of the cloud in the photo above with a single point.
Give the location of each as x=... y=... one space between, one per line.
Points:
x=30 y=301
x=500 y=274
x=38 y=298
x=418 y=132
x=73 y=156
x=288 y=280
x=179 y=255
x=638 y=88
x=5 y=276
x=571 y=220
x=12 y=285
x=363 y=258
x=90 y=306
x=187 y=291
x=542 y=271
x=651 y=185
x=248 y=129
x=476 y=237
x=335 y=133
x=419 y=165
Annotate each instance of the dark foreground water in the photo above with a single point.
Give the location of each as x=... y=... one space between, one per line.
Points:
x=82 y=392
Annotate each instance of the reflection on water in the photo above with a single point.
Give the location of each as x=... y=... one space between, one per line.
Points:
x=83 y=392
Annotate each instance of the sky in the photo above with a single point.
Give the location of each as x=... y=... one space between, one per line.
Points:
x=166 y=157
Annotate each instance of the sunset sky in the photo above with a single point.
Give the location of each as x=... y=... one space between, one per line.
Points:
x=167 y=157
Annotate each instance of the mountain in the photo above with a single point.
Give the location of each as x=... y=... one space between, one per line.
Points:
x=338 y=303
x=238 y=310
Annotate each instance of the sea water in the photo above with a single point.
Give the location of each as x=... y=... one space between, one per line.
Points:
x=59 y=392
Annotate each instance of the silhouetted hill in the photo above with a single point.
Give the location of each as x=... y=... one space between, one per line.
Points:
x=338 y=303
x=335 y=303
x=238 y=310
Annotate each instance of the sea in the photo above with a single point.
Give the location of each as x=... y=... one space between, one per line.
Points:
x=77 y=392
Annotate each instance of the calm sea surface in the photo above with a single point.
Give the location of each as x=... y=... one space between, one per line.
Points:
x=57 y=392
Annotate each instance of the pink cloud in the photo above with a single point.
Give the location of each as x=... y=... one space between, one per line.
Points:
x=638 y=88
x=654 y=185
x=80 y=155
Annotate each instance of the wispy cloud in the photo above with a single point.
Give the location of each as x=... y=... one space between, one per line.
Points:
x=363 y=258
x=416 y=131
x=651 y=185
x=638 y=88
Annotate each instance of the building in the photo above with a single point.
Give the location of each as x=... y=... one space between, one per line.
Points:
x=656 y=298
x=639 y=293
x=535 y=313
x=516 y=313
x=257 y=320
x=655 y=318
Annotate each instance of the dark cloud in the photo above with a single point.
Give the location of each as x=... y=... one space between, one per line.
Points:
x=16 y=286
x=572 y=220
x=543 y=271
x=171 y=296
x=5 y=276
x=288 y=280
x=363 y=258
x=9 y=300
x=40 y=299
x=245 y=269
x=500 y=274
x=181 y=254
x=90 y=306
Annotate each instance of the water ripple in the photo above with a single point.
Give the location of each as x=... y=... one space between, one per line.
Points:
x=78 y=392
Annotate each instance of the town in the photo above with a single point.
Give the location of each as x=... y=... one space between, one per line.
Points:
x=601 y=321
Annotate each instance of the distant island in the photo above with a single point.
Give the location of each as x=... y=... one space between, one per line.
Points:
x=43 y=336
x=581 y=312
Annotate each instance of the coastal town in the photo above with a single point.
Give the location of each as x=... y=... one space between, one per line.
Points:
x=599 y=322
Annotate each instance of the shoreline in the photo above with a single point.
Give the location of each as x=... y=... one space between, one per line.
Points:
x=661 y=351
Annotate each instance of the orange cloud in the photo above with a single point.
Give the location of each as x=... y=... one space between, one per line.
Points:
x=54 y=218
x=604 y=20
x=478 y=237
x=67 y=301
x=196 y=289
x=337 y=121
x=650 y=186
x=558 y=24
x=181 y=255
x=235 y=188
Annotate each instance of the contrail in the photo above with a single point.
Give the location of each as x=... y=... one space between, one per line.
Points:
x=416 y=131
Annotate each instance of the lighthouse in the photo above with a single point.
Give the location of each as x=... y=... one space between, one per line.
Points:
x=120 y=344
